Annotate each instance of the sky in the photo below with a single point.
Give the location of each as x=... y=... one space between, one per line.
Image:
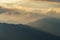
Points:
x=42 y=5
x=11 y=1
x=8 y=1
x=28 y=11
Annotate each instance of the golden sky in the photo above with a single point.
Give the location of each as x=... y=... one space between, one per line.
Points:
x=8 y=1
x=41 y=5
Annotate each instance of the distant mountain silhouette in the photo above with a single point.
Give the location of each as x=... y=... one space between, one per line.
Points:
x=48 y=24
x=23 y=32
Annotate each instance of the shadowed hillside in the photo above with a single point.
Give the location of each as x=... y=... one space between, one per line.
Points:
x=23 y=32
x=48 y=24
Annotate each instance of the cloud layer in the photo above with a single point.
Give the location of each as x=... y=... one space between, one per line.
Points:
x=23 y=16
x=47 y=0
x=27 y=11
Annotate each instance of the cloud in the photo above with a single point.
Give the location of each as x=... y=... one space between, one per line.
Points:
x=23 y=17
x=15 y=16
x=25 y=14
x=8 y=1
x=47 y=0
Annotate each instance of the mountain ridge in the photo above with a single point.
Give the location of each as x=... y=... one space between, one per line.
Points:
x=48 y=24
x=23 y=32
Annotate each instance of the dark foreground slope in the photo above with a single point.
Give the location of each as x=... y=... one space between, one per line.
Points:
x=23 y=32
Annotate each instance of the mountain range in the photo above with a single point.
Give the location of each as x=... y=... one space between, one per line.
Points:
x=48 y=24
x=23 y=32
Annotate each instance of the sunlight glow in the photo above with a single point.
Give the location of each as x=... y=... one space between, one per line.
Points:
x=8 y=1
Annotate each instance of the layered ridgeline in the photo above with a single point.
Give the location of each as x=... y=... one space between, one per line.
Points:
x=48 y=24
x=38 y=15
x=23 y=32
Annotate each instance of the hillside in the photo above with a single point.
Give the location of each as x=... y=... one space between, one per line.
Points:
x=48 y=24
x=23 y=32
